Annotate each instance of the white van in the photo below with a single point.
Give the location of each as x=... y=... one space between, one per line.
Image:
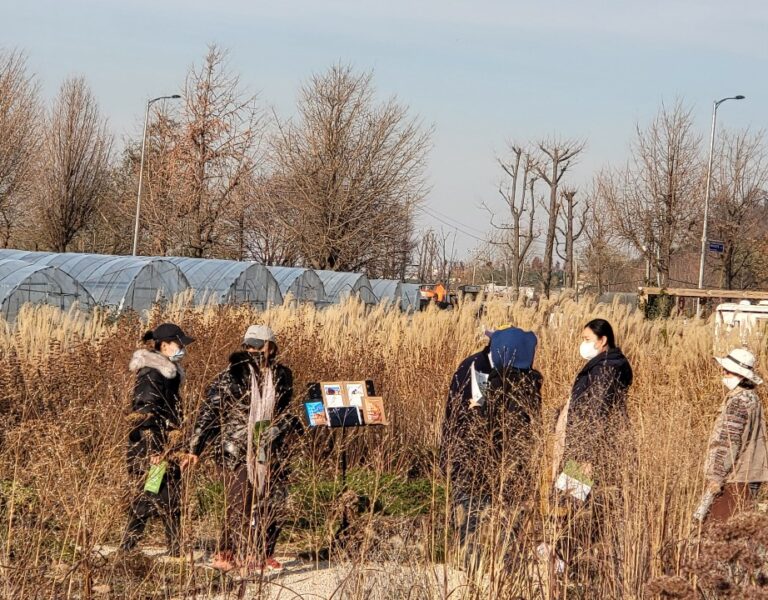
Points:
x=741 y=319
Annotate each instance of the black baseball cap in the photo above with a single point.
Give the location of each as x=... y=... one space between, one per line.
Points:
x=168 y=332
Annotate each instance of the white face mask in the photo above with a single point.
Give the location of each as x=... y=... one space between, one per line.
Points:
x=178 y=355
x=588 y=350
x=731 y=381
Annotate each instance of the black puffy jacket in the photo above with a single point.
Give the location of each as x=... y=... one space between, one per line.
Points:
x=223 y=418
x=156 y=407
x=598 y=406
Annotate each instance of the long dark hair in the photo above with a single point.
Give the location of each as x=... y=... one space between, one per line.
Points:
x=602 y=328
x=149 y=336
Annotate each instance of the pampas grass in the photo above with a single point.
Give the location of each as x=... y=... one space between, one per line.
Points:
x=63 y=487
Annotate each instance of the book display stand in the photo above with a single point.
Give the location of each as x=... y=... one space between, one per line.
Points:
x=343 y=405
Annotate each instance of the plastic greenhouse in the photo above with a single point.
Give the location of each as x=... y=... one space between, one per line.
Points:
x=339 y=286
x=230 y=281
x=22 y=283
x=119 y=282
x=303 y=284
x=410 y=292
x=388 y=290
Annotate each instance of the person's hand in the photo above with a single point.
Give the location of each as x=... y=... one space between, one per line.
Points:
x=188 y=460
x=155 y=459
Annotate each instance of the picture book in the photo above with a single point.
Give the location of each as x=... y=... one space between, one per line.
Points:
x=574 y=481
x=315 y=413
x=333 y=395
x=373 y=411
x=344 y=416
x=356 y=393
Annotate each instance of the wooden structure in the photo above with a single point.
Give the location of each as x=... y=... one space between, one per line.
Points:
x=659 y=302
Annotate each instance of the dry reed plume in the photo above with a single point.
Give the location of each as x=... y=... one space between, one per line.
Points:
x=63 y=484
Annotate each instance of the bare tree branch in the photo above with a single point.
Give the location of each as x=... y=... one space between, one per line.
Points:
x=349 y=175
x=19 y=138
x=557 y=157
x=74 y=171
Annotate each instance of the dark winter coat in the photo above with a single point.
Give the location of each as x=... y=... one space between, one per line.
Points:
x=223 y=418
x=598 y=408
x=156 y=407
x=478 y=442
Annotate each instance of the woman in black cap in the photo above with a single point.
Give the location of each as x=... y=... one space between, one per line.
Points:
x=155 y=428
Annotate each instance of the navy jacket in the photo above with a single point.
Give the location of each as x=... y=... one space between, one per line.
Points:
x=598 y=398
x=475 y=440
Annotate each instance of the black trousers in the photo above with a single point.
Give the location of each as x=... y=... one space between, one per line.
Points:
x=166 y=504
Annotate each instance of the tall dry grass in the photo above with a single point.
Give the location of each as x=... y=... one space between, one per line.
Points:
x=63 y=486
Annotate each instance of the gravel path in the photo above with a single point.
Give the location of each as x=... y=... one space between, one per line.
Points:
x=373 y=582
x=337 y=581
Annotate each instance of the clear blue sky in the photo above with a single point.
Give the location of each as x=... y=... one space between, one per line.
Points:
x=480 y=72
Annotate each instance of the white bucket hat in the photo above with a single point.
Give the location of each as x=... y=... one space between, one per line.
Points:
x=740 y=361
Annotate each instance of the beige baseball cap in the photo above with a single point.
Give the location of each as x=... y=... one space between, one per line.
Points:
x=258 y=333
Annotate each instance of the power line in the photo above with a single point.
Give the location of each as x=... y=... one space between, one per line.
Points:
x=451 y=225
x=444 y=219
x=434 y=212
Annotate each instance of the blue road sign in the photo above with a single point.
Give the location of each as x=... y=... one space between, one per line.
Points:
x=715 y=246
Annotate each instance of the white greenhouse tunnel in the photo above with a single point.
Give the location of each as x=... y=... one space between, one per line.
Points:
x=128 y=283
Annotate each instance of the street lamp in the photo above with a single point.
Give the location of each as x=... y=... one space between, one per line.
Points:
x=706 y=196
x=141 y=166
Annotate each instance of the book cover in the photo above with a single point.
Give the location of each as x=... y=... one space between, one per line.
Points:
x=155 y=477
x=333 y=395
x=373 y=411
x=355 y=393
x=574 y=481
x=315 y=413
x=344 y=416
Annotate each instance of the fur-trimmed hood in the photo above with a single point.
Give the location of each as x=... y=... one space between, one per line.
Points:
x=142 y=359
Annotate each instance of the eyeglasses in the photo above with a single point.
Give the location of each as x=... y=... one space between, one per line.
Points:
x=255 y=344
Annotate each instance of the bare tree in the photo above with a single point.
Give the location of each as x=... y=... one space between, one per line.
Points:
x=516 y=235
x=653 y=201
x=740 y=202
x=436 y=256
x=196 y=160
x=557 y=156
x=394 y=255
x=73 y=173
x=349 y=172
x=604 y=258
x=19 y=137
x=573 y=218
x=266 y=239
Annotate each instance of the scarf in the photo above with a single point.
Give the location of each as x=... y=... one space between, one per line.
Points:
x=260 y=414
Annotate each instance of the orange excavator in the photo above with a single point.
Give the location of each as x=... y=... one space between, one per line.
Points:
x=442 y=296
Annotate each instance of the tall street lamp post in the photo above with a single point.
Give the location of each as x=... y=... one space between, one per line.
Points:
x=704 y=230
x=141 y=166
